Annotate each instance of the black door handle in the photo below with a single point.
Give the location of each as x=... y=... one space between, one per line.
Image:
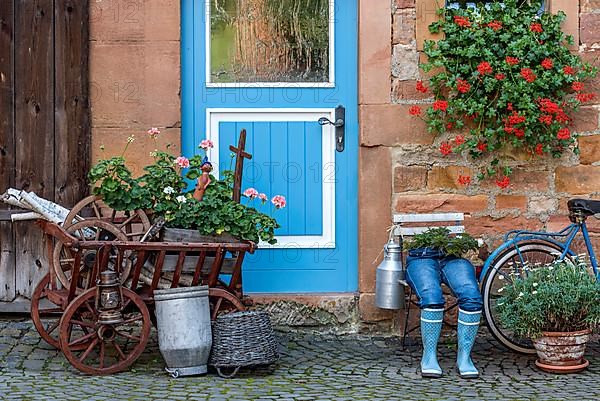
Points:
x=339 y=124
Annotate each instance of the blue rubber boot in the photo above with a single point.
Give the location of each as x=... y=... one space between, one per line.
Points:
x=468 y=324
x=431 y=327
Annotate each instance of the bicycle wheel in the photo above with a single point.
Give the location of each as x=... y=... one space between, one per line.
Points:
x=505 y=268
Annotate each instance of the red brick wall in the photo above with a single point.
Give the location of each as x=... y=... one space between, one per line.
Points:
x=420 y=179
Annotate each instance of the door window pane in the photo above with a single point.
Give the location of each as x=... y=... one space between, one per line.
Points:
x=269 y=41
x=473 y=4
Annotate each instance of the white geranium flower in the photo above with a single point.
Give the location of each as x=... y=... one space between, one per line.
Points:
x=520 y=295
x=534 y=292
x=535 y=284
x=181 y=199
x=501 y=289
x=168 y=190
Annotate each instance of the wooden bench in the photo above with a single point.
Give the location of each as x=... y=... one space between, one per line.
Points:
x=407 y=225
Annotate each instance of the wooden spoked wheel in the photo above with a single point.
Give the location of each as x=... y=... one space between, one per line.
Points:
x=222 y=301
x=134 y=224
x=48 y=329
x=46 y=314
x=111 y=348
x=89 y=230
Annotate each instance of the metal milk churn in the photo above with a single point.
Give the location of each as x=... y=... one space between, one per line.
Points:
x=390 y=280
x=184 y=329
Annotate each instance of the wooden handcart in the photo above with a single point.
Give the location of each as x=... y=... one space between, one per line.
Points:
x=103 y=329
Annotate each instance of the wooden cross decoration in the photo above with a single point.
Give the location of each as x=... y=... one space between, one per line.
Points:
x=240 y=154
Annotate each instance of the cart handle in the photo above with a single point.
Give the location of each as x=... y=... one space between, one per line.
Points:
x=58 y=232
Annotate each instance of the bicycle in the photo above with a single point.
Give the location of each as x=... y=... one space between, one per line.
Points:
x=522 y=248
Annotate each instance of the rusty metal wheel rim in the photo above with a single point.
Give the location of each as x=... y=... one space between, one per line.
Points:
x=222 y=301
x=125 y=356
x=130 y=222
x=62 y=258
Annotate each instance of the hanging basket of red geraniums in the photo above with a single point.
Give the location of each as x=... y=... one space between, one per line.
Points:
x=502 y=78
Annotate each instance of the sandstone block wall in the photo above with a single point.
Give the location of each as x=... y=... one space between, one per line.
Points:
x=135 y=76
x=418 y=178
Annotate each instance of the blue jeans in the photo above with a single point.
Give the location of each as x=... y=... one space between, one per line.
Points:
x=427 y=269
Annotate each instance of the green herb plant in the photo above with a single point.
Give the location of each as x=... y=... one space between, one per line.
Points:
x=439 y=238
x=559 y=297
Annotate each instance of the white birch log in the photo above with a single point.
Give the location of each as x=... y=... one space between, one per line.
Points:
x=40 y=208
x=13 y=197
x=25 y=216
x=50 y=210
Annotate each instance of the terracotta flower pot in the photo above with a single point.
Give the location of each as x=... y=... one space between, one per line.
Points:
x=562 y=352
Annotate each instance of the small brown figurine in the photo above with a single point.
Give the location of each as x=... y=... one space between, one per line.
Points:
x=204 y=180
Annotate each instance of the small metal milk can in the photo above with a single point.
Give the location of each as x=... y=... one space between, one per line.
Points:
x=390 y=278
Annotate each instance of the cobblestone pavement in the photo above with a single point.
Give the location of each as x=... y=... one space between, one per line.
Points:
x=312 y=367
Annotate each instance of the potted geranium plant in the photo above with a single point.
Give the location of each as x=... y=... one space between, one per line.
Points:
x=556 y=305
x=166 y=189
x=503 y=80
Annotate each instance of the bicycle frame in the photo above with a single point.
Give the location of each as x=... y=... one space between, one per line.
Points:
x=514 y=237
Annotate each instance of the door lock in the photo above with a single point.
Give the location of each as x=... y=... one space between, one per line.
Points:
x=340 y=122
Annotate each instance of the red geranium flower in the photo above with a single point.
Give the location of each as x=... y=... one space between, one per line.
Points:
x=577 y=86
x=509 y=106
x=462 y=21
x=546 y=119
x=512 y=60
x=464 y=179
x=495 y=25
x=441 y=105
x=482 y=146
x=484 y=68
x=421 y=88
x=515 y=118
x=528 y=75
x=415 y=111
x=547 y=63
x=500 y=76
x=568 y=70
x=449 y=126
x=519 y=132
x=563 y=134
x=445 y=148
x=462 y=86
x=536 y=27
x=548 y=106
x=585 y=97
x=459 y=140
x=503 y=182
x=539 y=149
x=561 y=117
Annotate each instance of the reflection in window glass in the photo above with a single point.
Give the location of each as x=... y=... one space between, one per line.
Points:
x=471 y=3
x=269 y=41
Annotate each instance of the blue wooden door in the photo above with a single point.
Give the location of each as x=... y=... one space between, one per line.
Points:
x=273 y=68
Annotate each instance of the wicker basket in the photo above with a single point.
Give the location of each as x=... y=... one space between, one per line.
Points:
x=242 y=339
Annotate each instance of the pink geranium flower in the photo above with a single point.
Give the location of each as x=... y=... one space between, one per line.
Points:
x=263 y=197
x=182 y=162
x=206 y=144
x=251 y=193
x=278 y=201
x=153 y=132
